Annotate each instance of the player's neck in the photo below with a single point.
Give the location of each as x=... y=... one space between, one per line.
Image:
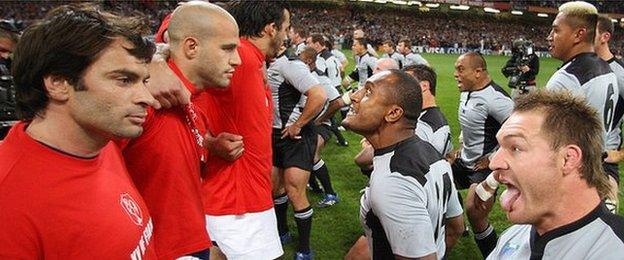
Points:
x=63 y=133
x=388 y=135
x=483 y=83
x=428 y=101
x=578 y=49
x=604 y=53
x=263 y=43
x=574 y=204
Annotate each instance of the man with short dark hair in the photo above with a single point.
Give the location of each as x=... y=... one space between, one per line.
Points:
x=583 y=73
x=410 y=58
x=298 y=37
x=365 y=63
x=554 y=184
x=165 y=161
x=390 y=52
x=483 y=107
x=80 y=74
x=604 y=33
x=297 y=98
x=402 y=211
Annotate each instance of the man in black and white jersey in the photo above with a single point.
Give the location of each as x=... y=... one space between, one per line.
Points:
x=583 y=73
x=604 y=32
x=411 y=188
x=297 y=98
x=323 y=129
x=555 y=181
x=390 y=52
x=327 y=65
x=365 y=63
x=410 y=58
x=359 y=33
x=297 y=36
x=432 y=125
x=483 y=107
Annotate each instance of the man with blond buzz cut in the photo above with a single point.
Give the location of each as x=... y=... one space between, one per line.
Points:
x=583 y=73
x=604 y=33
x=165 y=162
x=555 y=184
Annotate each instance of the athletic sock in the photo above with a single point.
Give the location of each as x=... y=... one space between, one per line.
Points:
x=281 y=208
x=322 y=173
x=304 y=226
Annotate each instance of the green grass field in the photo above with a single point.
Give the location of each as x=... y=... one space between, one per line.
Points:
x=335 y=229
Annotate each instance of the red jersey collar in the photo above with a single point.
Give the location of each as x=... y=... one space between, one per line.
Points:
x=187 y=83
x=253 y=47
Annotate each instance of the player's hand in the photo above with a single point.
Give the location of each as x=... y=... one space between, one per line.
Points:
x=478 y=210
x=524 y=68
x=482 y=163
x=292 y=131
x=165 y=86
x=225 y=145
x=614 y=156
x=452 y=156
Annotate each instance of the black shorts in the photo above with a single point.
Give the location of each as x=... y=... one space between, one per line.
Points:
x=324 y=131
x=298 y=153
x=612 y=170
x=465 y=176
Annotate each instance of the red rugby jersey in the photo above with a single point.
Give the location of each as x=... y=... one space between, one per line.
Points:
x=57 y=206
x=164 y=163
x=244 y=108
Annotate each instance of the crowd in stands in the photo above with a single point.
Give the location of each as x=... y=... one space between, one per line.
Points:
x=431 y=29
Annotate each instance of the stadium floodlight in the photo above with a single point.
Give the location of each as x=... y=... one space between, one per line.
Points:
x=491 y=10
x=381 y=1
x=542 y=15
x=414 y=3
x=516 y=12
x=399 y=2
x=614 y=20
x=460 y=7
x=366 y=0
x=432 y=5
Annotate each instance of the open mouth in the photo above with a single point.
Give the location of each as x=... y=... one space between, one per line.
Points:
x=509 y=197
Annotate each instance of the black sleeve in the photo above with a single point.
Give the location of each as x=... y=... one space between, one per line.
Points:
x=354 y=75
x=533 y=67
x=486 y=241
x=510 y=67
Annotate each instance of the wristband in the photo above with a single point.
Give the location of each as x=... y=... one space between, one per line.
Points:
x=491 y=181
x=482 y=193
x=485 y=233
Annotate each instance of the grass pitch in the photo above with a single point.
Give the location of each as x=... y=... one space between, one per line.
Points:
x=335 y=229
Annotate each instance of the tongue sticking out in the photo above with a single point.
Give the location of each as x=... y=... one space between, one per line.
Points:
x=508 y=197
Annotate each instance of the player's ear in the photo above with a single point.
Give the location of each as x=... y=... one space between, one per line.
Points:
x=57 y=87
x=424 y=86
x=394 y=114
x=572 y=158
x=269 y=30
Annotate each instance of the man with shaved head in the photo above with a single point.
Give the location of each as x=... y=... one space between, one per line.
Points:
x=483 y=107
x=165 y=161
x=385 y=64
x=583 y=73
x=402 y=211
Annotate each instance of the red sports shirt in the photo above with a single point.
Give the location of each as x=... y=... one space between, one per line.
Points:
x=244 y=108
x=164 y=163
x=57 y=206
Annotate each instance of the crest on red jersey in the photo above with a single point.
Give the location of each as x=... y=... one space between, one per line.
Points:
x=131 y=208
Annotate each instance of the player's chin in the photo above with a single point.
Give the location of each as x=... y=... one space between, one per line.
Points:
x=131 y=131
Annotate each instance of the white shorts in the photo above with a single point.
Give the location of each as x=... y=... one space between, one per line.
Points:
x=248 y=236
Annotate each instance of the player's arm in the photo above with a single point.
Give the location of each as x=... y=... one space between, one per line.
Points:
x=314 y=104
x=298 y=74
x=614 y=156
x=477 y=212
x=334 y=105
x=164 y=85
x=454 y=218
x=18 y=239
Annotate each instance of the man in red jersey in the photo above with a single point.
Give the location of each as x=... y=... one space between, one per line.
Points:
x=238 y=201
x=80 y=77
x=237 y=179
x=164 y=162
